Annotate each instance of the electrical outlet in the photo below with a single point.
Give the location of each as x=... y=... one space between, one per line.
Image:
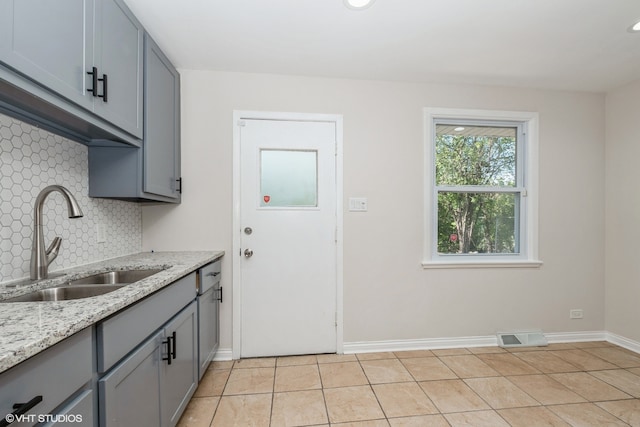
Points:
x=576 y=314
x=101 y=233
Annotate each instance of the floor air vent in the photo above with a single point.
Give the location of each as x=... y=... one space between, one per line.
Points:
x=521 y=339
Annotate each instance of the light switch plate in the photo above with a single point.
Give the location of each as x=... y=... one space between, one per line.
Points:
x=101 y=233
x=357 y=204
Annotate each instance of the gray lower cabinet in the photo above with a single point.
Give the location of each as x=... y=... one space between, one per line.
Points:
x=97 y=60
x=55 y=394
x=209 y=299
x=151 y=173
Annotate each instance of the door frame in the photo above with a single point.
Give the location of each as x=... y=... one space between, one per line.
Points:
x=239 y=115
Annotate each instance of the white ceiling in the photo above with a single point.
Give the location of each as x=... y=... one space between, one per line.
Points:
x=557 y=44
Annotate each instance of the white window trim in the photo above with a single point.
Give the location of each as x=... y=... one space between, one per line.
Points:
x=529 y=256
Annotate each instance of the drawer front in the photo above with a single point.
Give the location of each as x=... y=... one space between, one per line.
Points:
x=209 y=276
x=48 y=374
x=121 y=333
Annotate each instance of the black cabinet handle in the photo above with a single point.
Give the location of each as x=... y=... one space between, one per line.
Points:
x=168 y=343
x=220 y=298
x=104 y=88
x=94 y=81
x=179 y=181
x=20 y=409
x=175 y=344
x=214 y=273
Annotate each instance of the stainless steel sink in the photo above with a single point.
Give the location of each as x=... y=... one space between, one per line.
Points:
x=115 y=277
x=63 y=293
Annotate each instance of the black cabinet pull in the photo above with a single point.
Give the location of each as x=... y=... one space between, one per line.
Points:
x=104 y=88
x=220 y=299
x=20 y=409
x=175 y=344
x=179 y=181
x=168 y=343
x=94 y=81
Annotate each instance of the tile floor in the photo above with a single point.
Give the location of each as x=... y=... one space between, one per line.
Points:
x=577 y=384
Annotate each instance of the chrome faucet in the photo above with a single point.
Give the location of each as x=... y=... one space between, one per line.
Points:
x=41 y=258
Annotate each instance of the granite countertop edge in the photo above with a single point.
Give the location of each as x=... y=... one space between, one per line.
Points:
x=27 y=328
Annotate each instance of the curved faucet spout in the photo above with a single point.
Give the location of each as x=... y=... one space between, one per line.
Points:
x=41 y=257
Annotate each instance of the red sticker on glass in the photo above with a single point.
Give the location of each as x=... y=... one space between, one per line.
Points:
x=267 y=199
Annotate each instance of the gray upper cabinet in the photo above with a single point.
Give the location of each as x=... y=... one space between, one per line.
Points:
x=162 y=124
x=153 y=172
x=58 y=44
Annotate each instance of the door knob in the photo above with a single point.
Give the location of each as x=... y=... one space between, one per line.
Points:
x=248 y=253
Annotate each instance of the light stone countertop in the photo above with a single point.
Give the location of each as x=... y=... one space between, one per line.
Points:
x=27 y=328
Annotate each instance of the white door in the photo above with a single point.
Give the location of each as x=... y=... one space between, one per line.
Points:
x=288 y=237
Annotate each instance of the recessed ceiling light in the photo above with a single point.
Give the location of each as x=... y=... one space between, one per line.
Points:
x=635 y=28
x=458 y=129
x=358 y=4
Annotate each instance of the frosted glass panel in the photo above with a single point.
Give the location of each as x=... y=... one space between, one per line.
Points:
x=288 y=178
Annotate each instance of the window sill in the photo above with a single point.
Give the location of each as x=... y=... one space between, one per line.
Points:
x=481 y=264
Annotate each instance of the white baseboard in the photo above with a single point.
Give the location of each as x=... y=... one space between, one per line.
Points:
x=623 y=342
x=478 y=341
x=223 y=354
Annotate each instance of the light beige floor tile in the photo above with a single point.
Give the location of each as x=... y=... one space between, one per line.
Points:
x=532 y=417
x=403 y=400
x=450 y=351
x=635 y=371
x=616 y=356
x=622 y=379
x=525 y=349
x=336 y=358
x=500 y=393
x=428 y=368
x=545 y=389
x=297 y=360
x=199 y=412
x=486 y=350
x=585 y=414
x=222 y=364
x=298 y=408
x=376 y=356
x=468 y=366
x=259 y=362
x=476 y=419
x=589 y=387
x=342 y=374
x=453 y=396
x=546 y=361
x=242 y=411
x=627 y=410
x=385 y=371
x=593 y=344
x=250 y=380
x=369 y=423
x=212 y=383
x=421 y=421
x=346 y=404
x=584 y=360
x=508 y=364
x=413 y=353
x=294 y=378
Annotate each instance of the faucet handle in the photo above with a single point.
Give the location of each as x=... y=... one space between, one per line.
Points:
x=52 y=250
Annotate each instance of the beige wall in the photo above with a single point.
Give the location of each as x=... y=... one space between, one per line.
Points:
x=387 y=295
x=623 y=212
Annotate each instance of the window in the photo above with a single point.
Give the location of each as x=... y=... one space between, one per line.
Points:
x=481 y=182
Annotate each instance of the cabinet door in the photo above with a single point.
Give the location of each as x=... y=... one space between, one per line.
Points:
x=51 y=42
x=118 y=55
x=130 y=393
x=161 y=145
x=180 y=378
x=208 y=328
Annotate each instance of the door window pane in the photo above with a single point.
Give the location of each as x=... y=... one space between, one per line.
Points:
x=288 y=178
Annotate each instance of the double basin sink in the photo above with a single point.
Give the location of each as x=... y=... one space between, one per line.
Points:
x=90 y=286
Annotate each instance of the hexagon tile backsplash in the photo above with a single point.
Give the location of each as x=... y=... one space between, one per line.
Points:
x=32 y=159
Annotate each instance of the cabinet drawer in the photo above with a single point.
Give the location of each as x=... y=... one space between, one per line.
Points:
x=121 y=333
x=209 y=276
x=48 y=374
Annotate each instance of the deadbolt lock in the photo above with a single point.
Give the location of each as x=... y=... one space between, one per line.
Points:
x=248 y=230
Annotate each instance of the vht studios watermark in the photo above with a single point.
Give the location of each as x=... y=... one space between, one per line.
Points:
x=43 y=418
